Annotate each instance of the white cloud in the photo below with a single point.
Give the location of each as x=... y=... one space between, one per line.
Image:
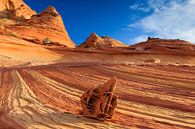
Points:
x=134 y=7
x=140 y=39
x=139 y=8
x=170 y=19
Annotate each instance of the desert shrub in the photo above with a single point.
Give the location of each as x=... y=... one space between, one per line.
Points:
x=47 y=41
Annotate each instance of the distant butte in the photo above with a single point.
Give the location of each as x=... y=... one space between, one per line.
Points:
x=171 y=46
x=94 y=41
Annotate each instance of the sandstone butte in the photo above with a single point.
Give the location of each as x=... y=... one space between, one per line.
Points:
x=94 y=41
x=169 y=43
x=21 y=21
x=165 y=46
x=15 y=8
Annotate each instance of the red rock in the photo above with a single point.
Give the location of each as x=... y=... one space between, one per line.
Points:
x=155 y=60
x=49 y=18
x=51 y=21
x=100 y=102
x=165 y=46
x=48 y=24
x=94 y=41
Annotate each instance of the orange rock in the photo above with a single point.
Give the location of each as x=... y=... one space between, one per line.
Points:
x=50 y=22
x=94 y=41
x=155 y=60
x=46 y=25
x=49 y=18
x=165 y=46
x=100 y=102
x=162 y=42
x=15 y=8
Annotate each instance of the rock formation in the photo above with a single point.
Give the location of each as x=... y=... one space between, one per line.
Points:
x=51 y=24
x=15 y=8
x=94 y=41
x=100 y=102
x=168 y=46
x=49 y=18
x=163 y=42
x=155 y=60
x=18 y=18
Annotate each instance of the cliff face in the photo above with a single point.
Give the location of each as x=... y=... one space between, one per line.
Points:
x=49 y=18
x=94 y=41
x=51 y=25
x=15 y=8
x=16 y=17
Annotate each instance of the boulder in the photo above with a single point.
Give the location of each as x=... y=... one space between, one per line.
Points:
x=100 y=102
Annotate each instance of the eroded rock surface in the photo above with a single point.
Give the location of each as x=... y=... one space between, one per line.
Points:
x=166 y=43
x=94 y=41
x=155 y=60
x=100 y=102
x=50 y=25
x=15 y=8
x=19 y=20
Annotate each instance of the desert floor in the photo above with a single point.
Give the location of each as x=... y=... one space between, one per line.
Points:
x=150 y=96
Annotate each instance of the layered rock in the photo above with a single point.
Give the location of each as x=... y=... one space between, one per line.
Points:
x=46 y=25
x=163 y=42
x=100 y=102
x=51 y=24
x=155 y=60
x=14 y=9
x=165 y=46
x=49 y=18
x=94 y=41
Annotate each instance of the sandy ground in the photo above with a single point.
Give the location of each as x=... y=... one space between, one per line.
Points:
x=15 y=52
x=151 y=96
x=41 y=86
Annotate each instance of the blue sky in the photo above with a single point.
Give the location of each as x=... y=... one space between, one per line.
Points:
x=129 y=21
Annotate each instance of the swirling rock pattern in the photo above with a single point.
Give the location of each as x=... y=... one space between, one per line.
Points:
x=48 y=97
